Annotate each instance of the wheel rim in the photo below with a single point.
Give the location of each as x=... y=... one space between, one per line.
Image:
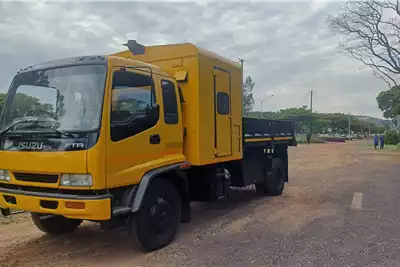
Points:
x=160 y=215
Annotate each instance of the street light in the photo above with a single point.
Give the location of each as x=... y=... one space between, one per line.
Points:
x=262 y=101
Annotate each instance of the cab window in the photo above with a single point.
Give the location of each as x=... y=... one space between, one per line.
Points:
x=132 y=101
x=170 y=102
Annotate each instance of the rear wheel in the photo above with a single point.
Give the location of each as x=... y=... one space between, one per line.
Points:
x=54 y=224
x=156 y=223
x=274 y=181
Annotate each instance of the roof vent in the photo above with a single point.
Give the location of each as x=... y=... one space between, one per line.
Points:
x=135 y=47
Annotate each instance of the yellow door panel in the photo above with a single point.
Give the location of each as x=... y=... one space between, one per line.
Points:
x=223 y=129
x=140 y=141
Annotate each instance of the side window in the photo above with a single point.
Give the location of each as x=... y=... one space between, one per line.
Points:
x=170 y=102
x=223 y=103
x=132 y=98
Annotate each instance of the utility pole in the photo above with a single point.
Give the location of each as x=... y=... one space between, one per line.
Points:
x=311 y=102
x=349 y=126
x=398 y=121
x=241 y=60
x=261 y=106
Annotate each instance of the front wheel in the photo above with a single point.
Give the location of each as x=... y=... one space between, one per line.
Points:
x=54 y=224
x=156 y=223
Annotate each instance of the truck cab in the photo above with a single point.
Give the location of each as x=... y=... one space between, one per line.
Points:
x=131 y=139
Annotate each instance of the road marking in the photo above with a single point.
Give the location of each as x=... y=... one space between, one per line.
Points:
x=356 y=203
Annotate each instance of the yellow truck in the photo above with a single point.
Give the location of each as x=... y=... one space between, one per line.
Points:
x=132 y=139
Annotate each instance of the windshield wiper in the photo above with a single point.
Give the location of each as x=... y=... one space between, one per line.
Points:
x=19 y=122
x=39 y=126
x=56 y=131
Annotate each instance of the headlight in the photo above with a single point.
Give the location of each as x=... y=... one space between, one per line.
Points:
x=76 y=180
x=4 y=175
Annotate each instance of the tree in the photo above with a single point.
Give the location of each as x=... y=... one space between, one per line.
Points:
x=371 y=32
x=389 y=102
x=24 y=105
x=2 y=101
x=301 y=116
x=248 y=100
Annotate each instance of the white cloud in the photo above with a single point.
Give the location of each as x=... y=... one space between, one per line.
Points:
x=287 y=47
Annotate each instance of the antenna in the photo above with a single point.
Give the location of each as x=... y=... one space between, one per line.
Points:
x=135 y=47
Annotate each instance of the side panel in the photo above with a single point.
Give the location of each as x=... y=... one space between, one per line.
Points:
x=222 y=114
x=206 y=112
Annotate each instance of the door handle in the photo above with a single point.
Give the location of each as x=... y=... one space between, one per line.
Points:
x=155 y=139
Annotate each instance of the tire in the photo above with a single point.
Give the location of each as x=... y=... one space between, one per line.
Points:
x=156 y=223
x=54 y=224
x=274 y=182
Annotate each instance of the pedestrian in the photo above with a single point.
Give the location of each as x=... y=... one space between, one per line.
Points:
x=308 y=138
x=382 y=141
x=376 y=141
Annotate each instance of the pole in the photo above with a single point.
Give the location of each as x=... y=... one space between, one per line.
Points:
x=398 y=122
x=369 y=129
x=311 y=96
x=262 y=102
x=241 y=65
x=349 y=125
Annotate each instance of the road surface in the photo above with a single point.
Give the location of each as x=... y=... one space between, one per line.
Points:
x=341 y=207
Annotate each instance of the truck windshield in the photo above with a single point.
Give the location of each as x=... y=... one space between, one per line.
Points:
x=69 y=98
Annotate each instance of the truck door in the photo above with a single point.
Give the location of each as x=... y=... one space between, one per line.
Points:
x=140 y=136
x=223 y=130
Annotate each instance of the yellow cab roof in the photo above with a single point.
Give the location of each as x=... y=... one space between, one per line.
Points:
x=165 y=52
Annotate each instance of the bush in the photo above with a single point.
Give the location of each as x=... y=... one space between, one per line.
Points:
x=392 y=137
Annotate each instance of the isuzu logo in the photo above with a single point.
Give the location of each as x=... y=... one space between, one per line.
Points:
x=34 y=145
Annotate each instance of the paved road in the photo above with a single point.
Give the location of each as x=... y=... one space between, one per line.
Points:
x=341 y=207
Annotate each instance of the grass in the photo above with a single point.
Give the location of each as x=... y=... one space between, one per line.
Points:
x=395 y=148
x=388 y=148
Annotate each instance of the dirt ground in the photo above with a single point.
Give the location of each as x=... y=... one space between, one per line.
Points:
x=311 y=224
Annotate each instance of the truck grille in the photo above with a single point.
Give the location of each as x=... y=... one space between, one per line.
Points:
x=35 y=177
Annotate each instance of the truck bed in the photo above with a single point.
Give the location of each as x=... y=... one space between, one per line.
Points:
x=262 y=130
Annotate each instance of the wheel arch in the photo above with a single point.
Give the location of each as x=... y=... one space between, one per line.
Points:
x=172 y=173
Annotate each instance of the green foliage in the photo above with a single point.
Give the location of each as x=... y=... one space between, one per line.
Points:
x=321 y=122
x=389 y=102
x=27 y=106
x=392 y=137
x=248 y=100
x=300 y=115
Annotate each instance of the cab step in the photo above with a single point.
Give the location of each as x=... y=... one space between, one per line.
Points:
x=121 y=210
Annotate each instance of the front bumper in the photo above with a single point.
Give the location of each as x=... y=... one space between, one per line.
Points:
x=90 y=207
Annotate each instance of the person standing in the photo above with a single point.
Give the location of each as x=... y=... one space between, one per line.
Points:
x=376 y=141
x=308 y=138
x=382 y=141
